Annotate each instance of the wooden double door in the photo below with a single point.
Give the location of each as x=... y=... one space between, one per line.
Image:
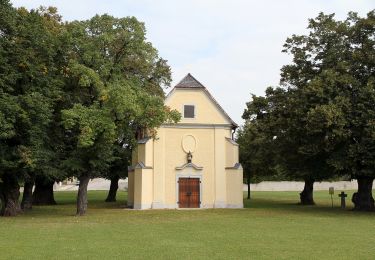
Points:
x=189 y=192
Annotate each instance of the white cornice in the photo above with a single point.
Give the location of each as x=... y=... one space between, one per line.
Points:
x=199 y=126
x=191 y=165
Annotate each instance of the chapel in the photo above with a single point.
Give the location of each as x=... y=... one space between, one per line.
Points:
x=191 y=164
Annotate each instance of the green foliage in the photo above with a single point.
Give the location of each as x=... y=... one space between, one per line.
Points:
x=321 y=118
x=30 y=86
x=73 y=95
x=256 y=156
x=93 y=123
x=111 y=82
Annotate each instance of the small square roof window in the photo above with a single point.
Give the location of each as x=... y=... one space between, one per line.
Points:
x=189 y=111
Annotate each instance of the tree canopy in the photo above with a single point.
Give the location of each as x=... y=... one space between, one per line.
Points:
x=74 y=96
x=321 y=116
x=30 y=87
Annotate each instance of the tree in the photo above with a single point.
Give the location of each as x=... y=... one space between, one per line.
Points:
x=341 y=54
x=29 y=87
x=313 y=80
x=9 y=110
x=255 y=149
x=43 y=192
x=27 y=197
x=358 y=148
x=111 y=81
x=277 y=127
x=118 y=169
x=306 y=111
x=322 y=115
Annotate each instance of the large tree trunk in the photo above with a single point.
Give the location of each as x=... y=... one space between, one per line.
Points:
x=362 y=199
x=2 y=200
x=113 y=189
x=11 y=194
x=82 y=195
x=43 y=193
x=306 y=196
x=27 y=197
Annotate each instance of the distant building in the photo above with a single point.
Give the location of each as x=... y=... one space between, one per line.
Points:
x=192 y=164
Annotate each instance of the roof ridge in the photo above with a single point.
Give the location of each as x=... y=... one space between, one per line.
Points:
x=189 y=82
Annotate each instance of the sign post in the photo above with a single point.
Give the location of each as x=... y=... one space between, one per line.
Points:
x=331 y=192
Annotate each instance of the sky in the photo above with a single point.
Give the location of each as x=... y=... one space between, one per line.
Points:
x=233 y=47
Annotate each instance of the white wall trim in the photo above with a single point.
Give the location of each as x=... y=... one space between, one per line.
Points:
x=220 y=204
x=160 y=205
x=157 y=205
x=235 y=206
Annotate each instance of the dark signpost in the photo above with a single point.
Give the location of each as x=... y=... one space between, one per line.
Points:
x=331 y=191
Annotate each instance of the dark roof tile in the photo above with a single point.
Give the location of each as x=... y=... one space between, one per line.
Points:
x=189 y=82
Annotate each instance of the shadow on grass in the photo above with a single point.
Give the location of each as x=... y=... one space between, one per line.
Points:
x=280 y=202
x=66 y=204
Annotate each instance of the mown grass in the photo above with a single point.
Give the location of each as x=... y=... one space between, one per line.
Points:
x=272 y=226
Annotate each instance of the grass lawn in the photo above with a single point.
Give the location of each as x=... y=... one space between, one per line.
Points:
x=271 y=227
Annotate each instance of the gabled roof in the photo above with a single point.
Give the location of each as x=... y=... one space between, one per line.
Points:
x=189 y=82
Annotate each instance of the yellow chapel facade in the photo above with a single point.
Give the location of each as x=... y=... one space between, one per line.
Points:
x=191 y=164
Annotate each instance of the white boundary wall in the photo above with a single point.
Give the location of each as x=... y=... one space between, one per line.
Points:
x=94 y=184
x=298 y=185
x=103 y=184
